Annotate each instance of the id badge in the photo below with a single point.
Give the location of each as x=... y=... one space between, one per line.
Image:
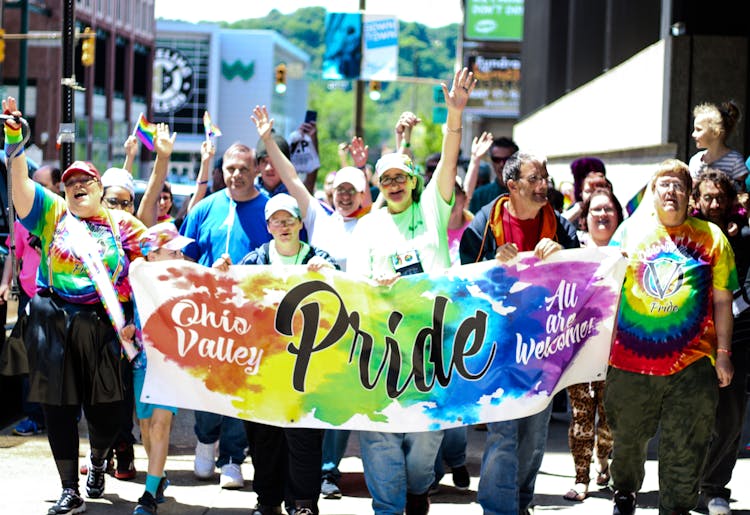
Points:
x=407 y=263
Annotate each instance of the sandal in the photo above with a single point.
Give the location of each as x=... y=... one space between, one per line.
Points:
x=578 y=493
x=602 y=477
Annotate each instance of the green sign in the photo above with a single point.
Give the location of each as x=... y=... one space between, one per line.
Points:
x=494 y=20
x=238 y=69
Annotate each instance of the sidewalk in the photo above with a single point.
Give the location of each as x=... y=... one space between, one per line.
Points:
x=30 y=484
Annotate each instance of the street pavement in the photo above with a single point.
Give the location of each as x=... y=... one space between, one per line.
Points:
x=29 y=484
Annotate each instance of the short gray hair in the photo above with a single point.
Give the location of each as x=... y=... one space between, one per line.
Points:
x=512 y=168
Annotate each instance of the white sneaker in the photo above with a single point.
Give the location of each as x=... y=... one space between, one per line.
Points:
x=205 y=460
x=718 y=506
x=231 y=477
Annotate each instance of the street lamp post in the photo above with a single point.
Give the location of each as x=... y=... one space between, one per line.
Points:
x=67 y=133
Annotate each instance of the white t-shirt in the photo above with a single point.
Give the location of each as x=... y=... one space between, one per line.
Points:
x=423 y=226
x=332 y=233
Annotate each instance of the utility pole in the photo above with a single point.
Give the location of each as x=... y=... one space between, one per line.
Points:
x=67 y=132
x=359 y=92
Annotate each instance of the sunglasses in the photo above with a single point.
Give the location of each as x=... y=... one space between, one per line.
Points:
x=115 y=202
x=85 y=182
x=497 y=159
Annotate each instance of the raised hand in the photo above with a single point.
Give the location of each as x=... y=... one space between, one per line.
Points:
x=163 y=142
x=208 y=150
x=463 y=84
x=131 y=146
x=10 y=106
x=480 y=145
x=262 y=122
x=359 y=151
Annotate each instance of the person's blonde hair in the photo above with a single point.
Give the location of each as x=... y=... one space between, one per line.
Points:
x=721 y=118
x=673 y=167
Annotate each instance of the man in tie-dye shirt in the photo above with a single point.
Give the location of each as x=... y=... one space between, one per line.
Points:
x=672 y=344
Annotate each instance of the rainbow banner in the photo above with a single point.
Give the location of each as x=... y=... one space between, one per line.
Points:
x=635 y=201
x=287 y=347
x=211 y=130
x=145 y=131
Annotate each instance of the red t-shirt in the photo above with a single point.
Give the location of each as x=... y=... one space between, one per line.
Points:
x=524 y=233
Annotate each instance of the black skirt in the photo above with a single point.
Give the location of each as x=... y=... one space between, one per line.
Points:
x=74 y=354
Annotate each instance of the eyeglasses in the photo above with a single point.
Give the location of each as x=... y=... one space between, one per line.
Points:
x=114 y=203
x=346 y=191
x=533 y=179
x=85 y=182
x=398 y=179
x=710 y=198
x=498 y=159
x=607 y=210
x=678 y=186
x=282 y=222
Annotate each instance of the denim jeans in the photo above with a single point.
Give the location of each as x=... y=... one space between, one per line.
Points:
x=452 y=451
x=512 y=456
x=230 y=432
x=334 y=447
x=397 y=463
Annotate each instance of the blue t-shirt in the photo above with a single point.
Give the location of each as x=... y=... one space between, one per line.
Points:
x=216 y=232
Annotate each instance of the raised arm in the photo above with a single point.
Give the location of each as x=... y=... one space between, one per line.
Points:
x=406 y=122
x=148 y=210
x=23 y=186
x=479 y=147
x=208 y=150
x=131 y=149
x=311 y=129
x=360 y=152
x=455 y=100
x=281 y=164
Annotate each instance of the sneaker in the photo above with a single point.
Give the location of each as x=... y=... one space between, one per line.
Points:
x=95 y=480
x=146 y=505
x=624 y=503
x=205 y=460
x=163 y=484
x=329 y=489
x=125 y=463
x=718 y=506
x=302 y=511
x=461 y=479
x=231 y=477
x=69 y=502
x=27 y=427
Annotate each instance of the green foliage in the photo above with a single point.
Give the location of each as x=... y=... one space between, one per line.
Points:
x=423 y=52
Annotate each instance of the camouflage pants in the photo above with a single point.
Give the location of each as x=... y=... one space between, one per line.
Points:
x=588 y=426
x=683 y=406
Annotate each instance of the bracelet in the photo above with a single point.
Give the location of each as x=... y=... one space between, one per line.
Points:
x=454 y=130
x=201 y=183
x=405 y=144
x=725 y=351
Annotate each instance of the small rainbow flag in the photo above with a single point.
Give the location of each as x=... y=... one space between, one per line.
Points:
x=635 y=201
x=145 y=131
x=212 y=131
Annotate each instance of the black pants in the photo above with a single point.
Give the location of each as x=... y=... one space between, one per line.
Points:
x=287 y=464
x=62 y=432
x=730 y=417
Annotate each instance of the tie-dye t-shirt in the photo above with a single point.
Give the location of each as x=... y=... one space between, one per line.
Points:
x=665 y=320
x=47 y=220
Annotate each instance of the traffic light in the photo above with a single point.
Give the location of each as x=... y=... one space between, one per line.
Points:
x=281 y=79
x=375 y=88
x=2 y=45
x=88 y=47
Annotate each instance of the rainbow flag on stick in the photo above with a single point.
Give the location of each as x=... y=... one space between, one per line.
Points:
x=212 y=131
x=634 y=202
x=146 y=131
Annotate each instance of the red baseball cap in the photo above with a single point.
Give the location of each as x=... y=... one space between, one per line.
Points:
x=84 y=167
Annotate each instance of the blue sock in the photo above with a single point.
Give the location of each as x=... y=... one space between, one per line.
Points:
x=152 y=483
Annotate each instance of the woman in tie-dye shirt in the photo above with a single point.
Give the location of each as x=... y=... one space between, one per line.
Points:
x=672 y=345
x=74 y=354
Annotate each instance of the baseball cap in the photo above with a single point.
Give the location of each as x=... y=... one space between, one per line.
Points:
x=84 y=167
x=119 y=177
x=395 y=161
x=164 y=235
x=353 y=176
x=282 y=202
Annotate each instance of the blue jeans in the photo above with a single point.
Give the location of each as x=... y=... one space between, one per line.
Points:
x=452 y=450
x=230 y=432
x=397 y=463
x=512 y=456
x=334 y=446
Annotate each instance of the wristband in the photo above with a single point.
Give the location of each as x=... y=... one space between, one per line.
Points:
x=405 y=144
x=725 y=351
x=12 y=135
x=200 y=183
x=454 y=130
